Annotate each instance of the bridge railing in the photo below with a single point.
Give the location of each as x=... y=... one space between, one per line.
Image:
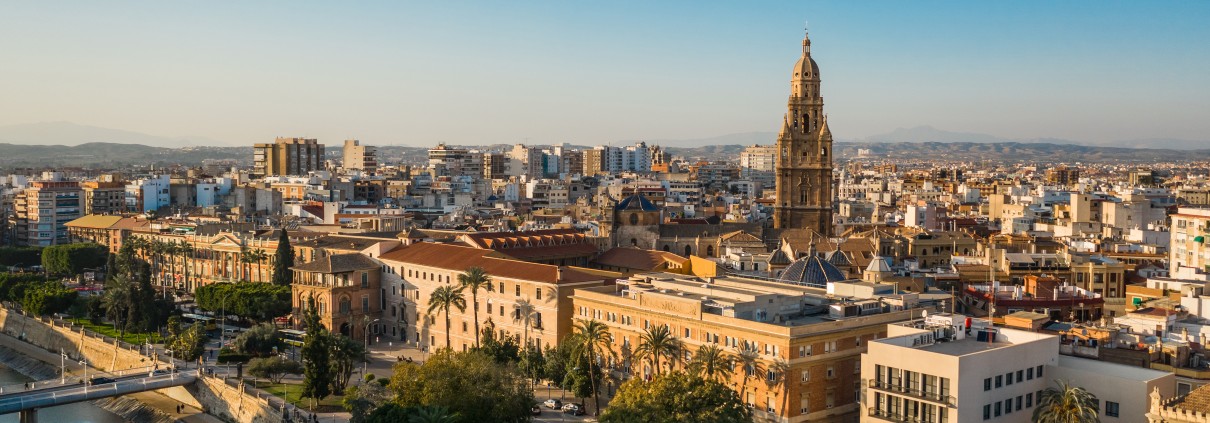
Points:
x=81 y=391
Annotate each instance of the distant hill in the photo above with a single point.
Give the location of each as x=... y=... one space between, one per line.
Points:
x=110 y=155
x=67 y=133
x=1016 y=151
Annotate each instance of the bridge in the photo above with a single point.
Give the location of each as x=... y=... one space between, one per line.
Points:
x=49 y=393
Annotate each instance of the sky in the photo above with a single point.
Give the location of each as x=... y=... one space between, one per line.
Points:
x=462 y=72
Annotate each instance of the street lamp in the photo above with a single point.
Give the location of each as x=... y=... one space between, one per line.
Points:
x=365 y=365
x=222 y=338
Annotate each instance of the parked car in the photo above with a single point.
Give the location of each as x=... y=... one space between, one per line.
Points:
x=574 y=409
x=100 y=380
x=553 y=404
x=158 y=372
x=535 y=410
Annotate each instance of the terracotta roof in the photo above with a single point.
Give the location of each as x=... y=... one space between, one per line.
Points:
x=637 y=258
x=460 y=258
x=338 y=263
x=131 y=223
x=1198 y=400
x=534 y=245
x=355 y=243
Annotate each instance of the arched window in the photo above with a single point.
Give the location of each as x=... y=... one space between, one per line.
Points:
x=688 y=251
x=634 y=218
x=667 y=248
x=709 y=251
x=634 y=242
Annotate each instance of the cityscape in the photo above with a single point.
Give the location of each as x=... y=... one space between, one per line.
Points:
x=660 y=256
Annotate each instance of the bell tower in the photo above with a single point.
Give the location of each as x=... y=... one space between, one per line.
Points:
x=804 y=153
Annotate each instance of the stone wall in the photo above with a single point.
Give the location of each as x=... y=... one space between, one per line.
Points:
x=106 y=354
x=233 y=403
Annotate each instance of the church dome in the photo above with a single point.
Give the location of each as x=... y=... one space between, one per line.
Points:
x=812 y=271
x=636 y=202
x=806 y=68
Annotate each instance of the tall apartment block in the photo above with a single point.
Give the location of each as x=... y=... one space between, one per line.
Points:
x=104 y=197
x=287 y=156
x=1190 y=233
x=43 y=210
x=362 y=157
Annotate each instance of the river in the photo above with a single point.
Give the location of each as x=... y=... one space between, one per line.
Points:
x=81 y=412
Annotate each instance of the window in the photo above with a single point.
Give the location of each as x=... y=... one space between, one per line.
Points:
x=806 y=375
x=1020 y=374
x=999 y=381
x=1029 y=373
x=987 y=412
x=997 y=409
x=831 y=372
x=987 y=384
x=1112 y=409
x=464 y=328
x=365 y=280
x=489 y=308
x=1018 y=407
x=1039 y=371
x=1029 y=400
x=1008 y=406
x=518 y=290
x=538 y=293
x=1009 y=377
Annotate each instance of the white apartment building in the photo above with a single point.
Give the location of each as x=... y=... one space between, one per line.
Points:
x=1190 y=233
x=949 y=369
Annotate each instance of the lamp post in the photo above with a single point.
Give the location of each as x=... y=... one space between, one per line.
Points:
x=365 y=364
x=62 y=367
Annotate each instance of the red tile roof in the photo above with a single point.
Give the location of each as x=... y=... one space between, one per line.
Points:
x=459 y=258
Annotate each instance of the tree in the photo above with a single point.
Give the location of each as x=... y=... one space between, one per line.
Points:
x=442 y=299
x=711 y=362
x=186 y=344
x=317 y=371
x=527 y=312
x=557 y=360
x=593 y=339
x=471 y=384
x=502 y=349
x=72 y=259
x=361 y=400
x=187 y=252
x=474 y=279
x=283 y=260
x=258 y=256
x=395 y=413
x=260 y=341
x=20 y=256
x=258 y=301
x=273 y=368
x=1066 y=404
x=676 y=397
x=658 y=341
x=749 y=362
x=48 y=298
x=346 y=353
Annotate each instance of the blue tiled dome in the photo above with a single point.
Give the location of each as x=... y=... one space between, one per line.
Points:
x=812 y=271
x=636 y=202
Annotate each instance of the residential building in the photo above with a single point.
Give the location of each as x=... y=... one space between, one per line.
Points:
x=360 y=157
x=287 y=157
x=953 y=369
x=1190 y=233
x=42 y=211
x=102 y=197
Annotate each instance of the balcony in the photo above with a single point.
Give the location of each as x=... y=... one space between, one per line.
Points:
x=945 y=400
x=894 y=417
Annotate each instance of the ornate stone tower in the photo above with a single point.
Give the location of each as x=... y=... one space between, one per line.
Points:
x=804 y=154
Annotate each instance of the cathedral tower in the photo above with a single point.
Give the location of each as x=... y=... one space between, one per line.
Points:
x=804 y=154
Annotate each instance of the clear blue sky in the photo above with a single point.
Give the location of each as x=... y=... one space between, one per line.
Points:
x=595 y=72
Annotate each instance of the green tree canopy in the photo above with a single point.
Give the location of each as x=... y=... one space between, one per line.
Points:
x=675 y=397
x=72 y=259
x=1066 y=404
x=260 y=341
x=253 y=300
x=20 y=256
x=346 y=354
x=48 y=297
x=317 y=370
x=471 y=384
x=273 y=368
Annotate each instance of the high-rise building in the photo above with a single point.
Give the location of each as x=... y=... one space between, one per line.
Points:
x=1190 y=234
x=43 y=210
x=757 y=163
x=287 y=156
x=1062 y=175
x=594 y=161
x=361 y=157
x=101 y=197
x=804 y=159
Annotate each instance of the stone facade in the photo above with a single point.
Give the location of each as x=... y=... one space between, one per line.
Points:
x=804 y=160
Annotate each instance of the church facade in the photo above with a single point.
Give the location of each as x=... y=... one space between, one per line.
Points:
x=804 y=154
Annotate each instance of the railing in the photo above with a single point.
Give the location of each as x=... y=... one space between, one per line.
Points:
x=895 y=417
x=948 y=400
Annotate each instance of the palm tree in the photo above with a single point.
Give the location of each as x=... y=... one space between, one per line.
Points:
x=1067 y=404
x=442 y=299
x=259 y=256
x=593 y=337
x=527 y=312
x=748 y=359
x=187 y=252
x=779 y=370
x=432 y=414
x=245 y=260
x=658 y=341
x=710 y=361
x=475 y=279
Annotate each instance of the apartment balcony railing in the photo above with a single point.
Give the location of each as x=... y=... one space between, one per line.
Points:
x=895 y=417
x=936 y=397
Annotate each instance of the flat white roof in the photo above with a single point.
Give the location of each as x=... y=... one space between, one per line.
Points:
x=1115 y=369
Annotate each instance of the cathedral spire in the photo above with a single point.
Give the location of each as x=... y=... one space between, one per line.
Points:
x=806 y=40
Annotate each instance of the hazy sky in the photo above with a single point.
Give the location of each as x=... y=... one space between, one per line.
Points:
x=595 y=72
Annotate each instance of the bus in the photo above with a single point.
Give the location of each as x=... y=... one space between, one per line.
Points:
x=205 y=320
x=292 y=337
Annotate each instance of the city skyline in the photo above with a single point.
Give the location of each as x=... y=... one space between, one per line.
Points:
x=420 y=74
